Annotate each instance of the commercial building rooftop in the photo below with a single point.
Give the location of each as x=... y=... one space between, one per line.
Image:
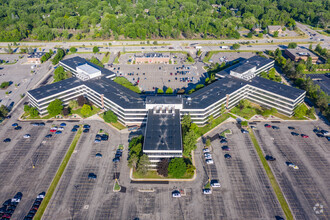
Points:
x=36 y=55
x=163 y=99
x=301 y=52
x=163 y=132
x=88 y=69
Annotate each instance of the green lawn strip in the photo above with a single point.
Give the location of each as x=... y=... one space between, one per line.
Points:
x=57 y=177
x=152 y=174
x=216 y=122
x=116 y=61
x=246 y=113
x=276 y=187
x=118 y=125
x=105 y=59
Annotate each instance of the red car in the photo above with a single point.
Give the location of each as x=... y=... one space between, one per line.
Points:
x=304 y=136
x=268 y=126
x=52 y=130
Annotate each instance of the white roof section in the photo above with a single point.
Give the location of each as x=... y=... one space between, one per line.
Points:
x=86 y=72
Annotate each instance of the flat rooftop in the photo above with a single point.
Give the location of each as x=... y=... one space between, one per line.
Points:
x=164 y=99
x=88 y=68
x=300 y=52
x=163 y=132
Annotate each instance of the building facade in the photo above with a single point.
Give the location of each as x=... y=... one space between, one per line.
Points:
x=301 y=54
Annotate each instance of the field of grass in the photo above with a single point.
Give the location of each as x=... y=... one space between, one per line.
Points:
x=152 y=174
x=118 y=125
x=246 y=113
x=106 y=58
x=57 y=177
x=93 y=112
x=116 y=186
x=116 y=61
x=275 y=186
x=124 y=82
x=203 y=130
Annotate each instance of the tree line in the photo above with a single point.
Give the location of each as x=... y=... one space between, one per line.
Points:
x=64 y=19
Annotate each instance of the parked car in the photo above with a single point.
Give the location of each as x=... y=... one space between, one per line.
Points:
x=18 y=128
x=244 y=131
x=206 y=150
x=270 y=158
x=87 y=126
x=116 y=159
x=58 y=132
x=74 y=130
x=207 y=156
x=294 y=134
x=63 y=124
x=86 y=130
x=35 y=124
x=52 y=130
x=14 y=125
x=227 y=156
x=97 y=141
x=304 y=135
x=291 y=128
x=48 y=136
x=290 y=164
x=42 y=124
x=7 y=140
x=92 y=176
x=209 y=161
x=225 y=148
x=26 y=136
x=98 y=155
x=324 y=132
x=223 y=141
x=215 y=183
x=315 y=130
x=268 y=126
x=275 y=127
x=104 y=137
x=253 y=127
x=76 y=126
x=176 y=194
x=319 y=135
x=207 y=191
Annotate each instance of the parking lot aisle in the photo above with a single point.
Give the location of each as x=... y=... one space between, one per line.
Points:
x=306 y=187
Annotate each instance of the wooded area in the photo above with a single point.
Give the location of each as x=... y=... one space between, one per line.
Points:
x=115 y=19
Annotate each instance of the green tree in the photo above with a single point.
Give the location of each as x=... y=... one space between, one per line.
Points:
x=143 y=164
x=59 y=56
x=55 y=107
x=96 y=49
x=136 y=149
x=60 y=74
x=275 y=34
x=86 y=110
x=177 y=167
x=33 y=112
x=190 y=169
x=210 y=120
x=169 y=90
x=96 y=61
x=236 y=46
x=250 y=35
x=310 y=112
x=300 y=111
x=27 y=108
x=160 y=91
x=189 y=142
x=292 y=45
x=3 y=111
x=132 y=161
x=208 y=142
x=73 y=104
x=310 y=47
x=73 y=49
x=185 y=123
x=110 y=117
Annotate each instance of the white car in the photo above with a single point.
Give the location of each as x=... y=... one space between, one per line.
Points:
x=60 y=129
x=293 y=166
x=209 y=161
x=176 y=194
x=207 y=191
x=53 y=128
x=208 y=156
x=206 y=150
x=215 y=183
x=26 y=136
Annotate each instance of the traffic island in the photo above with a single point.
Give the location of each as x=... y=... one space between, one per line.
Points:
x=58 y=176
x=116 y=186
x=272 y=179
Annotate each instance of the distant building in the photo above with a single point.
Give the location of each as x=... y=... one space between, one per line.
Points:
x=301 y=54
x=251 y=67
x=35 y=57
x=273 y=28
x=152 y=58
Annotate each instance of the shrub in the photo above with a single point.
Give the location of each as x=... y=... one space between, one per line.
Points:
x=110 y=117
x=177 y=167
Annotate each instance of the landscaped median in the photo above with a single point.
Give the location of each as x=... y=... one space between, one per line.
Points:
x=57 y=177
x=276 y=187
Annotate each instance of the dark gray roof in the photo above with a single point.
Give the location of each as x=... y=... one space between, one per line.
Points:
x=256 y=61
x=163 y=132
x=243 y=68
x=36 y=55
x=54 y=88
x=212 y=93
x=277 y=88
x=77 y=61
x=163 y=99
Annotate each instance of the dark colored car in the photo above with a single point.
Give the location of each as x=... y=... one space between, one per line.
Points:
x=87 y=126
x=294 y=134
x=104 y=137
x=41 y=124
x=270 y=158
x=14 y=125
x=98 y=136
x=48 y=136
x=116 y=159
x=225 y=148
x=291 y=128
x=74 y=130
x=86 y=130
x=18 y=128
x=222 y=138
x=324 y=132
x=92 y=176
x=227 y=156
x=268 y=126
x=328 y=138
x=244 y=131
x=223 y=141
x=316 y=130
x=275 y=127
x=76 y=126
x=7 y=140
x=6 y=203
x=98 y=155
x=62 y=124
x=319 y=135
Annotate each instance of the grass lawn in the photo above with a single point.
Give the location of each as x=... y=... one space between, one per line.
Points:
x=117 y=186
x=207 y=186
x=124 y=82
x=152 y=174
x=93 y=112
x=276 y=187
x=116 y=61
x=118 y=125
x=246 y=113
x=105 y=59
x=216 y=122
x=57 y=177
x=227 y=131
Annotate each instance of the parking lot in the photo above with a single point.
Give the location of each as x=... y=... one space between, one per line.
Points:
x=29 y=165
x=245 y=189
x=20 y=74
x=306 y=189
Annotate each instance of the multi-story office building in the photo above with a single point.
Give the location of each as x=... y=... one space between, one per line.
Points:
x=132 y=108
